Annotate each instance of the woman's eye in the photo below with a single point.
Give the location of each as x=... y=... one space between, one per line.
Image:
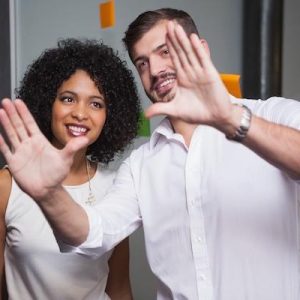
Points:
x=66 y=99
x=98 y=105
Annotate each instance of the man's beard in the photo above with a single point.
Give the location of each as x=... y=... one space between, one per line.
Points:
x=154 y=98
x=166 y=97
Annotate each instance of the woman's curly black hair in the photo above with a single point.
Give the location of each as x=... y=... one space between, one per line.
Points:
x=114 y=80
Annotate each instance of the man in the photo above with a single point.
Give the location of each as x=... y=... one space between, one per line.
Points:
x=218 y=202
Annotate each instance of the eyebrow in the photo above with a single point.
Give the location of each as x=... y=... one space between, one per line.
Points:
x=144 y=57
x=101 y=97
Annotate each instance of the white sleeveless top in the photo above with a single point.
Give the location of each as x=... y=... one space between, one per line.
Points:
x=34 y=266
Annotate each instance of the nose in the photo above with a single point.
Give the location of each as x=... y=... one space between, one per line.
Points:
x=79 y=111
x=157 y=66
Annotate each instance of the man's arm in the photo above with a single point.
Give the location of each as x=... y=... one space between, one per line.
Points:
x=31 y=153
x=39 y=169
x=200 y=86
x=68 y=220
x=278 y=144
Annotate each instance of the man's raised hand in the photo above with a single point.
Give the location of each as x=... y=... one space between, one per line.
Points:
x=201 y=96
x=35 y=164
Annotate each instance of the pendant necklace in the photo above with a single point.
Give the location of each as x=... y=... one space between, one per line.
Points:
x=91 y=197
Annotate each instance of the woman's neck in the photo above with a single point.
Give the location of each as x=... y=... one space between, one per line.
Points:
x=78 y=172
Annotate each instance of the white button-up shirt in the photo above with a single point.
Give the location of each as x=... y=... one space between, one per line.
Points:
x=219 y=222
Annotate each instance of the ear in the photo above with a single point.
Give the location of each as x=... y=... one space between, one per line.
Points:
x=205 y=45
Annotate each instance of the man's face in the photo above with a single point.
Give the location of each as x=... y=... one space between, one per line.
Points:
x=153 y=62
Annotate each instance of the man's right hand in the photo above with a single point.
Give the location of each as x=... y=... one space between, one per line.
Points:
x=201 y=97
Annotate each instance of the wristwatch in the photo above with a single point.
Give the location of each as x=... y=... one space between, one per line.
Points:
x=245 y=123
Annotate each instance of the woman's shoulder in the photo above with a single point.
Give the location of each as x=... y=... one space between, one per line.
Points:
x=5 y=188
x=5 y=176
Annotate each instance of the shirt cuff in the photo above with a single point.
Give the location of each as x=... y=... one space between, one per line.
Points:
x=91 y=246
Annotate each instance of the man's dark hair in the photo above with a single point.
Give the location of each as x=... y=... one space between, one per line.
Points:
x=110 y=74
x=145 y=21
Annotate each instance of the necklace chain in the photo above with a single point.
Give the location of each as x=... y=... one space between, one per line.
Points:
x=91 y=197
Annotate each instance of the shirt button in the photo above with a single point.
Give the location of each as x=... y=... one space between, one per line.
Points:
x=202 y=277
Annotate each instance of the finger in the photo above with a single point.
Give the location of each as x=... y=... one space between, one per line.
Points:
x=174 y=57
x=15 y=120
x=186 y=46
x=9 y=129
x=160 y=108
x=200 y=51
x=27 y=117
x=74 y=145
x=173 y=53
x=5 y=149
x=177 y=51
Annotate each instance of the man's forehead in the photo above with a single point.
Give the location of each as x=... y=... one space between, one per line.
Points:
x=152 y=40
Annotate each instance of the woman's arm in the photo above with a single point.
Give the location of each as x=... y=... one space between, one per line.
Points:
x=118 y=283
x=5 y=187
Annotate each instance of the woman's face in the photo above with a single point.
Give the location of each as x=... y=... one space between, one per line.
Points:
x=79 y=109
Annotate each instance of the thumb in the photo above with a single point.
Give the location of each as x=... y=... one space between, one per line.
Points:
x=160 y=108
x=74 y=145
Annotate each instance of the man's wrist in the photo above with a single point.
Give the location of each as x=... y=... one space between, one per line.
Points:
x=240 y=130
x=49 y=196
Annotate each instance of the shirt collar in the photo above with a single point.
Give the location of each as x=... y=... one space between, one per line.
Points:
x=163 y=129
x=233 y=99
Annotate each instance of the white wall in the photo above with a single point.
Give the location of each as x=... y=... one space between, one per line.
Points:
x=39 y=23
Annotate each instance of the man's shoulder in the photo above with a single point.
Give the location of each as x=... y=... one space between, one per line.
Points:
x=270 y=104
x=140 y=150
x=278 y=110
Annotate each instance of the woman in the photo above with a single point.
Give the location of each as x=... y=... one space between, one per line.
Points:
x=79 y=88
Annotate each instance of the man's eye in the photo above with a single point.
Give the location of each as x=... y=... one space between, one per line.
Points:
x=166 y=52
x=142 y=65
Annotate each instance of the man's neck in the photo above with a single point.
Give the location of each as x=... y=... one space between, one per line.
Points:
x=183 y=128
